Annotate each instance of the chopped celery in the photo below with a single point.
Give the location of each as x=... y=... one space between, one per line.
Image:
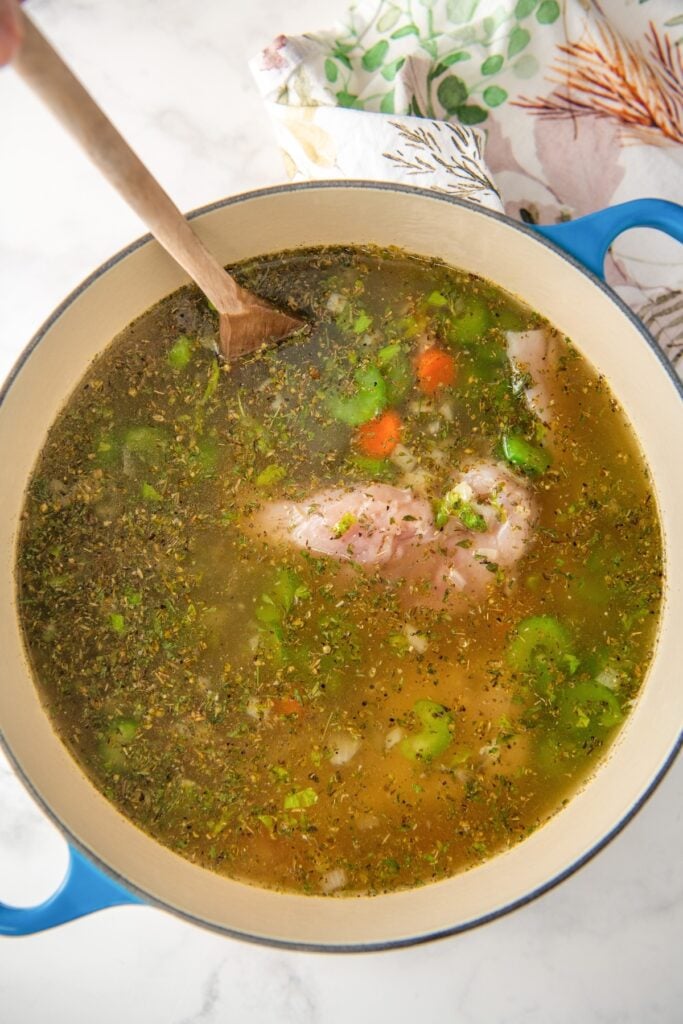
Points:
x=472 y=322
x=408 y=327
x=453 y=504
x=523 y=455
x=375 y=469
x=542 y=647
x=300 y=799
x=345 y=523
x=108 y=449
x=124 y=729
x=509 y=319
x=588 y=710
x=435 y=735
x=117 y=622
x=270 y=475
x=399 y=643
x=362 y=323
x=203 y=460
x=397 y=372
x=276 y=604
x=369 y=400
x=149 y=493
x=437 y=299
x=388 y=353
x=120 y=733
x=180 y=353
x=212 y=384
x=147 y=442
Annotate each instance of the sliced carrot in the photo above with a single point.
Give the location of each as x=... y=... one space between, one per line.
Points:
x=380 y=436
x=287 y=706
x=435 y=369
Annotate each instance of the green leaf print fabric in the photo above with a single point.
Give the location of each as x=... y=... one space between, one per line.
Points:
x=579 y=104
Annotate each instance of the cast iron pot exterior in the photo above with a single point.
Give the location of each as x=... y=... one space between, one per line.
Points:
x=135 y=868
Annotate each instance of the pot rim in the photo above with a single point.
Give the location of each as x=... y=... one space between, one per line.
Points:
x=537 y=891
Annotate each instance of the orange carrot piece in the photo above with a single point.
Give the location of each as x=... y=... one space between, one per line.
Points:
x=379 y=437
x=287 y=706
x=435 y=369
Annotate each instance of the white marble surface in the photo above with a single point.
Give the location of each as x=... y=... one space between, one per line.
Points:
x=603 y=947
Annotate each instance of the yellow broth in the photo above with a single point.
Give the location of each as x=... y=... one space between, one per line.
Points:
x=303 y=722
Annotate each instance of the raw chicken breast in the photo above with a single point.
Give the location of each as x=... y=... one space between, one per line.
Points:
x=392 y=529
x=533 y=357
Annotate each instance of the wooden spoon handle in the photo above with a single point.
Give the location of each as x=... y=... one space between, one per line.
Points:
x=47 y=74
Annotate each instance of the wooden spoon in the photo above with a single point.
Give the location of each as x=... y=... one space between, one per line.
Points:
x=246 y=321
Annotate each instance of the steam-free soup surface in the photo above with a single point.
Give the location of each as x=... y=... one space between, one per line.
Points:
x=359 y=612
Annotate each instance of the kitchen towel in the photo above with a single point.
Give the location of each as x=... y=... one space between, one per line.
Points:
x=578 y=103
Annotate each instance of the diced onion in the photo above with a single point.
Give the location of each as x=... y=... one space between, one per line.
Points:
x=344 y=747
x=393 y=737
x=333 y=880
x=418 y=641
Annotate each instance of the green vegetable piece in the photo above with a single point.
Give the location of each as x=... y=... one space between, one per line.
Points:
x=120 y=733
x=270 y=475
x=588 y=710
x=453 y=504
x=214 y=377
x=180 y=353
x=124 y=730
x=399 y=643
x=146 y=442
x=117 y=622
x=435 y=736
x=108 y=450
x=299 y=800
x=149 y=493
x=369 y=400
x=345 y=523
x=408 y=327
x=530 y=458
x=437 y=299
x=541 y=648
x=509 y=319
x=274 y=606
x=374 y=469
x=461 y=757
x=362 y=323
x=397 y=372
x=471 y=323
x=268 y=821
x=388 y=354
x=204 y=458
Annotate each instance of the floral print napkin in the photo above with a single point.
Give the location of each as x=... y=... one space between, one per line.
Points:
x=579 y=104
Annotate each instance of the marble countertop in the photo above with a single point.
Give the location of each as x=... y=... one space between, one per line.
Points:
x=603 y=947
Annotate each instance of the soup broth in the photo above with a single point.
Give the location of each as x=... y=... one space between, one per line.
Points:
x=359 y=611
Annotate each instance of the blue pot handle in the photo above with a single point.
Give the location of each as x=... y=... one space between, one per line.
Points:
x=588 y=238
x=84 y=890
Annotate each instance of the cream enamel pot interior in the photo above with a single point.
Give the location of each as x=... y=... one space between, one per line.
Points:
x=131 y=866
